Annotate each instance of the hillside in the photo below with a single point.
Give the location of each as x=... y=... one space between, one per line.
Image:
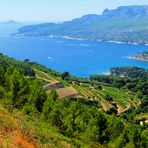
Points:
x=124 y=24
x=11 y=135
x=40 y=107
x=129 y=71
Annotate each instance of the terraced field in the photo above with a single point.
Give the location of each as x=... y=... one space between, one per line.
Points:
x=66 y=92
x=92 y=94
x=63 y=89
x=122 y=100
x=121 y=97
x=44 y=76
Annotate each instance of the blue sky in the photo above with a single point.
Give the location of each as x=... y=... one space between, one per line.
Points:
x=51 y=10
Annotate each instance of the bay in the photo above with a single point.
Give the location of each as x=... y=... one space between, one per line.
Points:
x=80 y=58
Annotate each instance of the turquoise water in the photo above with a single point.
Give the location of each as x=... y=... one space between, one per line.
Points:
x=80 y=58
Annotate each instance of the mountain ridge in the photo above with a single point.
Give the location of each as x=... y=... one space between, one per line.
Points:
x=11 y=22
x=136 y=11
x=123 y=24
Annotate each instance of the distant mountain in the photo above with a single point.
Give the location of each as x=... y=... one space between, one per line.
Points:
x=128 y=12
x=10 y=22
x=124 y=24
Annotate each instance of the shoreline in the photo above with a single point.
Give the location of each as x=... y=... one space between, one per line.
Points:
x=109 y=41
x=136 y=58
x=67 y=37
x=82 y=39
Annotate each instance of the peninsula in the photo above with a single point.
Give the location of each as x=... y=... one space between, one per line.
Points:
x=140 y=56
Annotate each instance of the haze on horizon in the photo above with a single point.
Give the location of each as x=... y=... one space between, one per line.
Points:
x=49 y=10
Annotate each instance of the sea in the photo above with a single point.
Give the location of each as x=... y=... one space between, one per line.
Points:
x=80 y=58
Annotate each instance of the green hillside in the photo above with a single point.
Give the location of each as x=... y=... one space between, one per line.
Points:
x=40 y=107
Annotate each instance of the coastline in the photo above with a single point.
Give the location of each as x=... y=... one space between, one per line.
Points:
x=136 y=58
x=108 y=41
x=67 y=37
x=130 y=43
x=82 y=39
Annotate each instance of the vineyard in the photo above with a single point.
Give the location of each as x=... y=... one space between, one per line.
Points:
x=122 y=101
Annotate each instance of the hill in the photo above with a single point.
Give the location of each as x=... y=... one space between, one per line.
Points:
x=129 y=71
x=40 y=107
x=124 y=24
